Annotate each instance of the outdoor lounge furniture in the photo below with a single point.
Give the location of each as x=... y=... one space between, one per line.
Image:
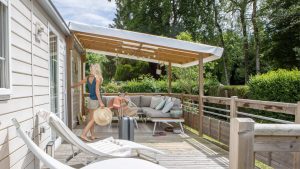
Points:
x=108 y=147
x=143 y=104
x=51 y=163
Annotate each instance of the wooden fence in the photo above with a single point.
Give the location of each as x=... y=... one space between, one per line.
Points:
x=248 y=138
x=218 y=112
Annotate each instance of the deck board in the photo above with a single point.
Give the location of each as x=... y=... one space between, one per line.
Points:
x=186 y=151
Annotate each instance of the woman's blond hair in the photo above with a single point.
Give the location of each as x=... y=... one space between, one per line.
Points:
x=98 y=72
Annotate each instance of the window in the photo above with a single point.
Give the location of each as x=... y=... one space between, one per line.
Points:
x=53 y=73
x=4 y=51
x=54 y=94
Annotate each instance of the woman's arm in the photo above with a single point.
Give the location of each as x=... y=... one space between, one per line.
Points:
x=79 y=83
x=98 y=83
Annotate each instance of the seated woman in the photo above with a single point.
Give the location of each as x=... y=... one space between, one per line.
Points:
x=121 y=106
x=117 y=101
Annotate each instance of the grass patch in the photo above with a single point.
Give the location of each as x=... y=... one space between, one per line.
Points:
x=262 y=165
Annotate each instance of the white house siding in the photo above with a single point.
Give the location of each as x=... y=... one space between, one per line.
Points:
x=30 y=80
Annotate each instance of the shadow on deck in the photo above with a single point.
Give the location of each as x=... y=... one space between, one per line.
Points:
x=186 y=151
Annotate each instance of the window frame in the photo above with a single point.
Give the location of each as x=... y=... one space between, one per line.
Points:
x=5 y=93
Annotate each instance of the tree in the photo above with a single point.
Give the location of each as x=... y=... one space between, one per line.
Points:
x=241 y=6
x=220 y=33
x=283 y=37
x=256 y=37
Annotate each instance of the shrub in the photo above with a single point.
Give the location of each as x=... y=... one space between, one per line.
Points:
x=211 y=86
x=112 y=87
x=234 y=90
x=161 y=86
x=145 y=83
x=281 y=85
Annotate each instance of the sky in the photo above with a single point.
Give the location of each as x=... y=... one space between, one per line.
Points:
x=95 y=12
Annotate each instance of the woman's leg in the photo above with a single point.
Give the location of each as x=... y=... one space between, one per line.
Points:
x=92 y=129
x=88 y=126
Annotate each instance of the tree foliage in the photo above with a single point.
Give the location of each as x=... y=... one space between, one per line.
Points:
x=255 y=40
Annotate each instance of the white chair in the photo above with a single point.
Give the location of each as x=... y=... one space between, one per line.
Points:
x=51 y=163
x=107 y=147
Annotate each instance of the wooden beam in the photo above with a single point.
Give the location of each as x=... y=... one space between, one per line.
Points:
x=277 y=144
x=166 y=51
x=277 y=130
x=201 y=94
x=138 y=54
x=233 y=107
x=287 y=108
x=112 y=46
x=132 y=41
x=241 y=154
x=170 y=78
x=296 y=160
x=70 y=45
x=83 y=86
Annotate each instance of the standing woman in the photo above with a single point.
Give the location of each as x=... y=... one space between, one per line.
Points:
x=94 y=81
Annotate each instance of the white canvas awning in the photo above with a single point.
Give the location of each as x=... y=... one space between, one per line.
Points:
x=140 y=46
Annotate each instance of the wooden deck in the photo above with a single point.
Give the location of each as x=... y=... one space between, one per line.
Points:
x=183 y=150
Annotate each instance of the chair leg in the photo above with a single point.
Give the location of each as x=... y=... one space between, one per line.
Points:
x=153 y=132
x=73 y=154
x=136 y=123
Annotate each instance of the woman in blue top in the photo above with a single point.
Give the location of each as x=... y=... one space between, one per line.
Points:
x=94 y=81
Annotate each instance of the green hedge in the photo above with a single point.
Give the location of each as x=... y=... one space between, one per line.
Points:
x=149 y=85
x=281 y=85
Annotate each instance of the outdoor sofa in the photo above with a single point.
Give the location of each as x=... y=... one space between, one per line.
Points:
x=146 y=107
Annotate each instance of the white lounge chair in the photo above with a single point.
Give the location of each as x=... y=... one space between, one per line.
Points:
x=51 y=163
x=107 y=147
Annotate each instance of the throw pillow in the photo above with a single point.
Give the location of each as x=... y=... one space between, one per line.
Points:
x=160 y=105
x=168 y=100
x=155 y=101
x=167 y=107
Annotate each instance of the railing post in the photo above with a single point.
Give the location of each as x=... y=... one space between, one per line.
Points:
x=233 y=107
x=241 y=155
x=296 y=161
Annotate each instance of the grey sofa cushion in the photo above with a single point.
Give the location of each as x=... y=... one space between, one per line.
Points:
x=155 y=100
x=177 y=102
x=167 y=107
x=140 y=110
x=145 y=101
x=136 y=100
x=154 y=113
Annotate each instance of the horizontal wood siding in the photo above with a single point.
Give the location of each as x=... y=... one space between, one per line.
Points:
x=30 y=81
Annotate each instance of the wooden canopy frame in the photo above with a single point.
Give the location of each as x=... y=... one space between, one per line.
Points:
x=140 y=46
x=145 y=47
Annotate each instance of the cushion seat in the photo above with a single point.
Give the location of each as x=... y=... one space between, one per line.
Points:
x=143 y=104
x=154 y=113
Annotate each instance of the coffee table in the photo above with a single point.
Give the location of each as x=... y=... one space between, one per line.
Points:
x=167 y=121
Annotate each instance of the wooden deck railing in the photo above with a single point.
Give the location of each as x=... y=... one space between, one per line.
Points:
x=217 y=112
x=248 y=138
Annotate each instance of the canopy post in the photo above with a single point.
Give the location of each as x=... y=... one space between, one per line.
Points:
x=83 y=59
x=201 y=93
x=296 y=161
x=70 y=44
x=170 y=78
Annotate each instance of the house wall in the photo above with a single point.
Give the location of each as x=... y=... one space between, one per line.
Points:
x=30 y=80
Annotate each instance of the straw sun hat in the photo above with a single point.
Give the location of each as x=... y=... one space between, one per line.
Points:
x=103 y=116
